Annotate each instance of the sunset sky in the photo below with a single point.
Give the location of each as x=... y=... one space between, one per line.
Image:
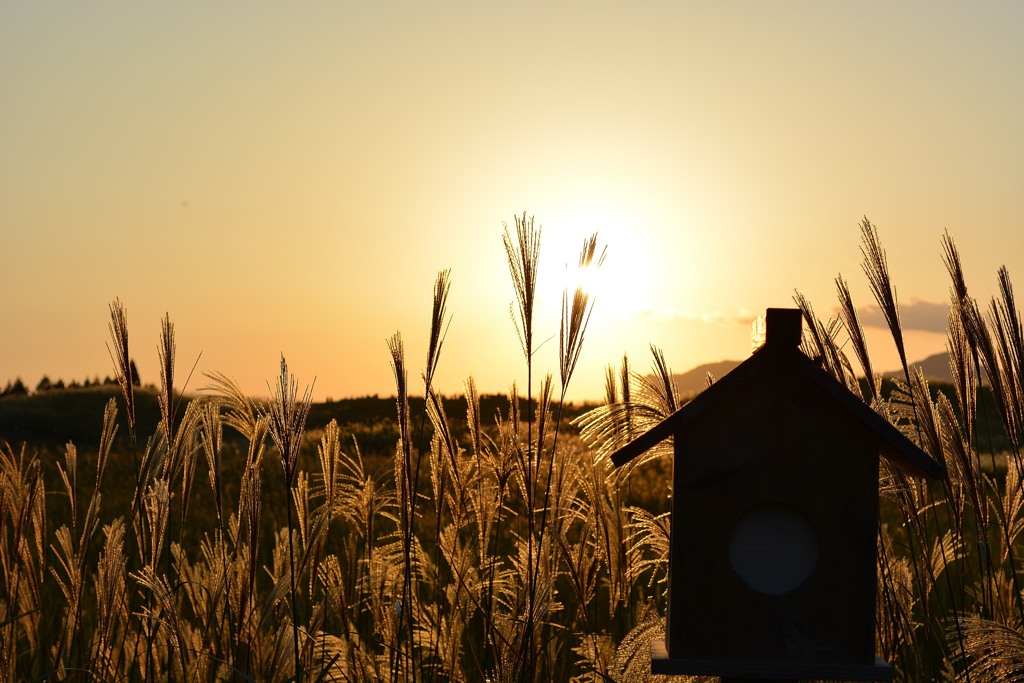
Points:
x=290 y=177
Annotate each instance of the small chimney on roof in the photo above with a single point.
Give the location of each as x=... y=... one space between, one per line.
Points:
x=783 y=327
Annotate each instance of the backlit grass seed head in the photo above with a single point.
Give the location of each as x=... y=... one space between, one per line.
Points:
x=876 y=268
x=118 y=327
x=576 y=314
x=961 y=364
x=157 y=504
x=166 y=352
x=252 y=506
x=522 y=265
x=438 y=325
x=110 y=574
x=403 y=464
x=212 y=435
x=287 y=419
x=991 y=651
x=851 y=320
x=106 y=440
x=329 y=452
x=238 y=410
x=951 y=257
x=397 y=350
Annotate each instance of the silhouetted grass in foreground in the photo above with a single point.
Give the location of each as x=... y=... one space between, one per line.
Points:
x=463 y=538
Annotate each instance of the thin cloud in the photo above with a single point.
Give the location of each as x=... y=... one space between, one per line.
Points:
x=915 y=315
x=671 y=313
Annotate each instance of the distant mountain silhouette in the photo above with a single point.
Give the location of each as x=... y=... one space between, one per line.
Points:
x=696 y=380
x=936 y=369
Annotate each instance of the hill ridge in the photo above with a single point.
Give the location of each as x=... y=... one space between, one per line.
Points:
x=935 y=367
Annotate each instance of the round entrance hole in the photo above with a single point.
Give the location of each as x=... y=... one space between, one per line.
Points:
x=774 y=548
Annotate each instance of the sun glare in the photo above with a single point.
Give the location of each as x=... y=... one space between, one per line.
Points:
x=616 y=280
x=588 y=277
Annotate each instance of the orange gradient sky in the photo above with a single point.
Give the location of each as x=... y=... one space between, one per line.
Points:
x=291 y=177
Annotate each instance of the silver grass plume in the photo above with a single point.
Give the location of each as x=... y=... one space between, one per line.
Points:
x=287 y=425
x=69 y=474
x=877 y=270
x=951 y=257
x=251 y=506
x=238 y=411
x=166 y=351
x=212 y=435
x=962 y=367
x=473 y=417
x=624 y=379
x=164 y=613
x=438 y=324
x=302 y=507
x=633 y=655
x=107 y=435
x=962 y=345
x=981 y=338
x=611 y=387
x=958 y=461
x=576 y=315
x=287 y=419
x=547 y=388
x=648 y=546
x=522 y=265
x=157 y=504
x=851 y=320
x=1011 y=339
x=992 y=652
x=111 y=595
x=329 y=452
x=611 y=424
x=404 y=483
x=180 y=440
x=447 y=444
x=118 y=327
x=644 y=404
x=186 y=451
x=820 y=343
x=663 y=387
x=403 y=465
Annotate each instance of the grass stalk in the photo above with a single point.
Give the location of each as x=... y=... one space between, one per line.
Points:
x=404 y=647
x=523 y=255
x=286 y=425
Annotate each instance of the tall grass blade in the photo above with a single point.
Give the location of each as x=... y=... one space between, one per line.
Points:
x=523 y=254
x=876 y=267
x=851 y=320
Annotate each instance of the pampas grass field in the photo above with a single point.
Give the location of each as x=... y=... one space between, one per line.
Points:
x=221 y=540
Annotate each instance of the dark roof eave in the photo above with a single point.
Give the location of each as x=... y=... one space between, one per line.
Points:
x=893 y=444
x=691 y=410
x=896 y=447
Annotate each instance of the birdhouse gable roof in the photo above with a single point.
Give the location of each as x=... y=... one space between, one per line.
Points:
x=897 y=448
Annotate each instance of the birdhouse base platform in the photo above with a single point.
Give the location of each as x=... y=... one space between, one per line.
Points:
x=661 y=663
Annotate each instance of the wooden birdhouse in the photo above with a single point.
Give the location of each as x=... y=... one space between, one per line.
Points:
x=775 y=520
